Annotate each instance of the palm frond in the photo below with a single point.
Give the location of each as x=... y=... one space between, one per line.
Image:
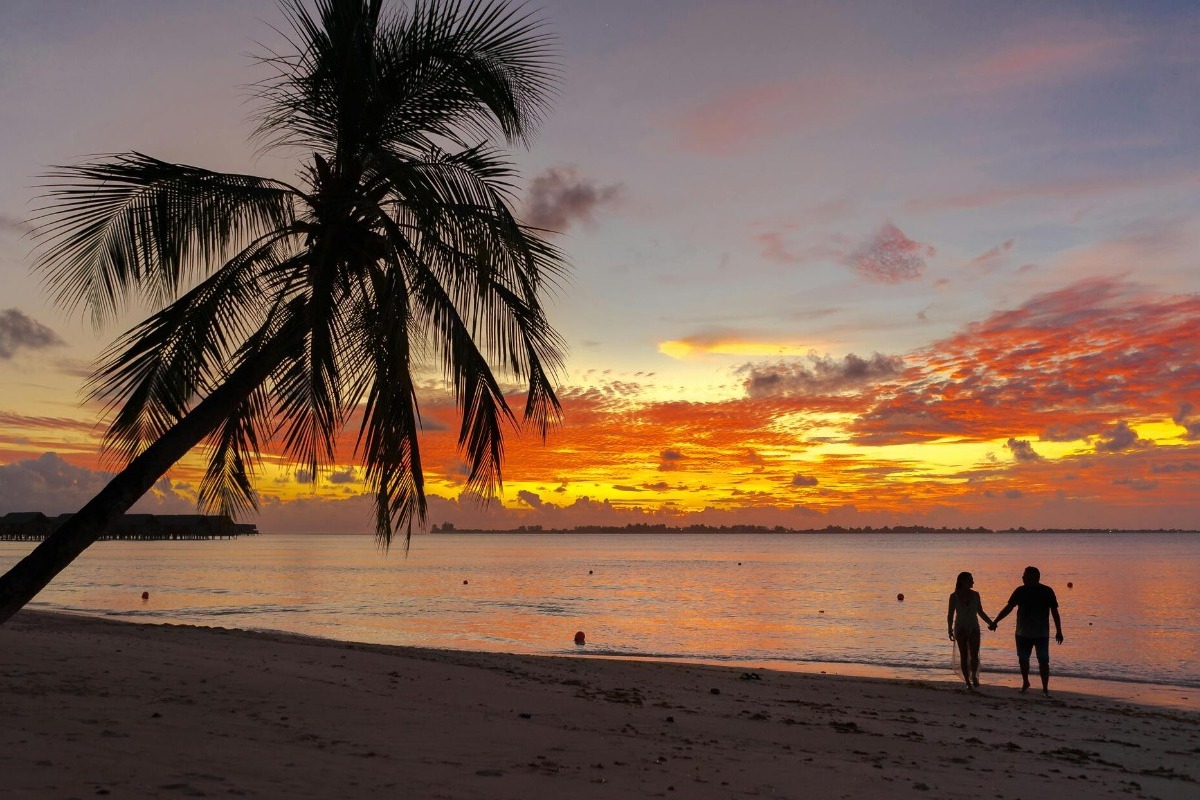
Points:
x=543 y=357
x=492 y=268
x=444 y=70
x=235 y=444
x=454 y=211
x=310 y=403
x=132 y=226
x=227 y=486
x=500 y=58
x=391 y=420
x=152 y=374
x=479 y=397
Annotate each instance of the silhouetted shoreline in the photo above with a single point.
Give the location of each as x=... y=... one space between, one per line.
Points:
x=779 y=529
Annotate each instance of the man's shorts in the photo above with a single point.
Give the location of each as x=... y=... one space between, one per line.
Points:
x=1026 y=645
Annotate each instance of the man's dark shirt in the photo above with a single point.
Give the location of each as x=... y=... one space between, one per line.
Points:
x=1033 y=604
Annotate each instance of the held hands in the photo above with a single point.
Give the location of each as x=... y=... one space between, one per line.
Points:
x=992 y=627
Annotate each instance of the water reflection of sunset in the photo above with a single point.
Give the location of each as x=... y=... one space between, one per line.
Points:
x=786 y=599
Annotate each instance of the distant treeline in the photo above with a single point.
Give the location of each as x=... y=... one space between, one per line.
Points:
x=34 y=526
x=449 y=527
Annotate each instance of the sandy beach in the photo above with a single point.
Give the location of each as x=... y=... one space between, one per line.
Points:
x=95 y=707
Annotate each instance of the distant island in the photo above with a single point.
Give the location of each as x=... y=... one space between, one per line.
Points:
x=34 y=526
x=449 y=527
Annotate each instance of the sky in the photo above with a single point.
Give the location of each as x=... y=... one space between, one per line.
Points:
x=832 y=263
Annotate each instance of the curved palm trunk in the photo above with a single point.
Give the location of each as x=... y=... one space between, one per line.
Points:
x=21 y=583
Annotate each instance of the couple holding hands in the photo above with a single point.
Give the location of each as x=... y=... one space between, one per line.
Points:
x=1035 y=603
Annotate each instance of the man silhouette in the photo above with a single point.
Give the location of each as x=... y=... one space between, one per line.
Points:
x=1035 y=603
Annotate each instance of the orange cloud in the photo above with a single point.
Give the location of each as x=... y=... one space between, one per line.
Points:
x=1080 y=358
x=1063 y=416
x=1078 y=407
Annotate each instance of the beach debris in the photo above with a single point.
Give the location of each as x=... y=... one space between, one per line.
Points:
x=580 y=639
x=145 y=595
x=900 y=597
x=714 y=690
x=750 y=676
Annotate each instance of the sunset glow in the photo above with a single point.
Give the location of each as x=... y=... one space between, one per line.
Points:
x=868 y=271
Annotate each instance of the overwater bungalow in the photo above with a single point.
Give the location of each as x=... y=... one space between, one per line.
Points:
x=35 y=526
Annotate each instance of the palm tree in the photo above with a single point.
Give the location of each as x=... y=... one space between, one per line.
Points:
x=289 y=311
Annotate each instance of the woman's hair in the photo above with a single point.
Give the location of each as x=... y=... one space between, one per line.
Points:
x=963 y=584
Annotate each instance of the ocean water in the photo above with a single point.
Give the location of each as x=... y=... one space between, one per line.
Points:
x=1132 y=614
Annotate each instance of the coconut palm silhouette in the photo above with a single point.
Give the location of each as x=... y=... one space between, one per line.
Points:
x=288 y=310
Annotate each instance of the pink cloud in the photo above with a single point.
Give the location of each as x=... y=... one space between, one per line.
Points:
x=1039 y=61
x=1079 y=189
x=775 y=245
x=775 y=249
x=993 y=257
x=1168 y=244
x=852 y=88
x=890 y=257
x=731 y=121
x=722 y=125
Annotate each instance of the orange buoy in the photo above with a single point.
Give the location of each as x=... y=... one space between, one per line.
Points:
x=1070 y=585
x=464 y=583
x=580 y=638
x=145 y=595
x=900 y=597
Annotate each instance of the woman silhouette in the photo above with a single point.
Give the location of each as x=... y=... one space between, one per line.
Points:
x=962 y=623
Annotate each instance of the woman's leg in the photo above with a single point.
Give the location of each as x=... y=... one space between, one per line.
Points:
x=962 y=639
x=973 y=641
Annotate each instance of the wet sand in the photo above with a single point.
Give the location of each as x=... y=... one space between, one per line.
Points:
x=94 y=707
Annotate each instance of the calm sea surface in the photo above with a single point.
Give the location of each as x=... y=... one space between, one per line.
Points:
x=778 y=600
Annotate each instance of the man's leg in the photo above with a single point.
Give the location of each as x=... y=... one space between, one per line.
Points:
x=1024 y=648
x=1043 y=657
